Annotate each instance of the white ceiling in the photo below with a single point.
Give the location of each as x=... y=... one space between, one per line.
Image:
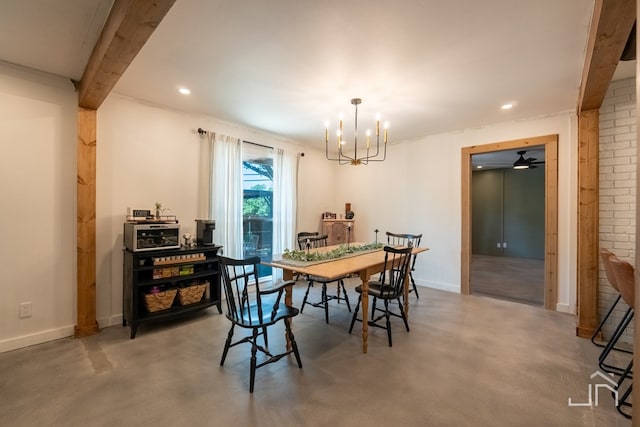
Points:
x=284 y=66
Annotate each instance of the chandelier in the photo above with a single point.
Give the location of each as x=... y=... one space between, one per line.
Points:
x=369 y=156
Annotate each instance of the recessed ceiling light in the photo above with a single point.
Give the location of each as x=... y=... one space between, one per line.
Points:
x=507 y=106
x=184 y=91
x=479 y=167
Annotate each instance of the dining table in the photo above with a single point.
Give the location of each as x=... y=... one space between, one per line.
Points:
x=363 y=264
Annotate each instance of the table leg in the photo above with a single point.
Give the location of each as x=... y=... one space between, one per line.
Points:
x=288 y=300
x=364 y=276
x=407 y=283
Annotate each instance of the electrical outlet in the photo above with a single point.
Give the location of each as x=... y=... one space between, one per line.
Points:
x=24 y=309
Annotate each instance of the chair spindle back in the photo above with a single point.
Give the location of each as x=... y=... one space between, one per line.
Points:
x=237 y=277
x=396 y=267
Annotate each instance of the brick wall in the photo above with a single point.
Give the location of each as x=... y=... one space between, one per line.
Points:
x=617 y=190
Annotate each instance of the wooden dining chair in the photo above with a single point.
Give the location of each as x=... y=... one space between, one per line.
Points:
x=314 y=243
x=303 y=236
x=390 y=286
x=413 y=240
x=252 y=306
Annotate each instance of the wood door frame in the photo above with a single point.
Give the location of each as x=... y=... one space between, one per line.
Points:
x=550 y=143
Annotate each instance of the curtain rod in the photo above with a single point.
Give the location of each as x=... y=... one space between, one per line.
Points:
x=202 y=132
x=259 y=145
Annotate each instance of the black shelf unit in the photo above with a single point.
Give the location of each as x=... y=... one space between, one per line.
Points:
x=139 y=279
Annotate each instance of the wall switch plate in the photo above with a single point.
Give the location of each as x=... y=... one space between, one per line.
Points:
x=498 y=245
x=504 y=244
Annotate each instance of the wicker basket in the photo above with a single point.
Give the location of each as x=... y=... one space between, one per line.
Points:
x=160 y=300
x=191 y=294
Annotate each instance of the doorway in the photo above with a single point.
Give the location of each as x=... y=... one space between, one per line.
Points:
x=550 y=145
x=507 y=225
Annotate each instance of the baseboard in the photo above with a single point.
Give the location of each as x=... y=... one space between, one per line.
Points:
x=565 y=308
x=112 y=320
x=36 y=338
x=440 y=286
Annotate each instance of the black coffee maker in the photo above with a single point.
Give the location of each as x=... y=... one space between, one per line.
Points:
x=204 y=231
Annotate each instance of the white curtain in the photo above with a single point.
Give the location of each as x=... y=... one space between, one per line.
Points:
x=205 y=176
x=226 y=206
x=285 y=189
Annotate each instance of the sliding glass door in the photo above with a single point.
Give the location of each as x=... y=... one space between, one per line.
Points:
x=257 y=206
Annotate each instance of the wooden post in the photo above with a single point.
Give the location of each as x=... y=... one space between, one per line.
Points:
x=588 y=223
x=86 y=323
x=635 y=395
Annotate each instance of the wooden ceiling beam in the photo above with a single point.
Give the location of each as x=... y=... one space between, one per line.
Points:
x=128 y=27
x=610 y=28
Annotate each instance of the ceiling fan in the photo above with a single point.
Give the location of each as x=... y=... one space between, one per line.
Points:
x=523 y=163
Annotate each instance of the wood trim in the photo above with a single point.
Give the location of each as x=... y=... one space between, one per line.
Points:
x=550 y=143
x=611 y=26
x=551 y=224
x=86 y=223
x=127 y=29
x=465 y=253
x=588 y=222
x=636 y=306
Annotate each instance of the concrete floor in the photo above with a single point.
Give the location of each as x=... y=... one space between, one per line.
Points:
x=468 y=361
x=513 y=279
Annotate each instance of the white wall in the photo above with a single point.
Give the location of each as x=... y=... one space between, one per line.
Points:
x=148 y=154
x=418 y=190
x=38 y=193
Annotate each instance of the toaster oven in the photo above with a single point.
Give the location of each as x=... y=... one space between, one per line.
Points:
x=151 y=237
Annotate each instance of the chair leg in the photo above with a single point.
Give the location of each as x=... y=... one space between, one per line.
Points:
x=388 y=319
x=227 y=344
x=602 y=322
x=266 y=338
x=344 y=292
x=403 y=314
x=306 y=295
x=622 y=400
x=601 y=325
x=612 y=342
x=373 y=308
x=292 y=340
x=413 y=284
x=355 y=313
x=254 y=349
x=325 y=302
